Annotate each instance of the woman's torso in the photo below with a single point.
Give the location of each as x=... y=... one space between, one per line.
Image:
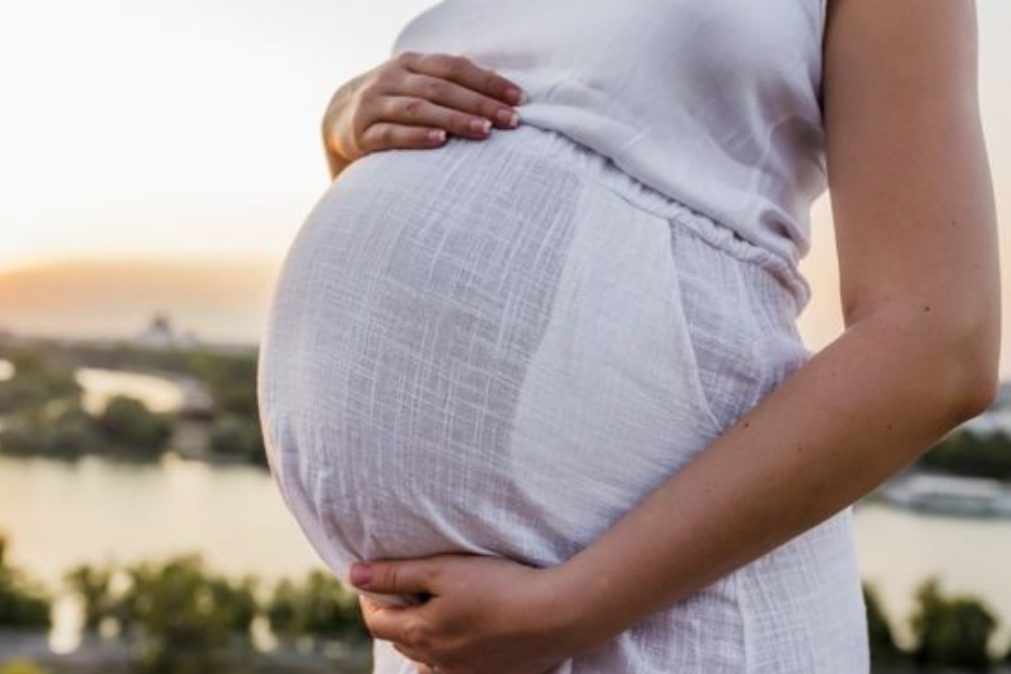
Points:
x=715 y=104
x=500 y=347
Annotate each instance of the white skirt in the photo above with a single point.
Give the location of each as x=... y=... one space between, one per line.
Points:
x=500 y=347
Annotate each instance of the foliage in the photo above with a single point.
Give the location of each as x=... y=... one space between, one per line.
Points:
x=44 y=376
x=22 y=667
x=38 y=379
x=23 y=603
x=283 y=611
x=879 y=631
x=93 y=585
x=238 y=437
x=231 y=378
x=320 y=606
x=127 y=422
x=969 y=453
x=950 y=631
x=178 y=607
x=60 y=428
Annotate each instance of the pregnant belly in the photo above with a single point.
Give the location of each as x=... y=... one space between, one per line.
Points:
x=473 y=349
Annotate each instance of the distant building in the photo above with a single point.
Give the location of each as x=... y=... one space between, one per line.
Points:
x=159 y=334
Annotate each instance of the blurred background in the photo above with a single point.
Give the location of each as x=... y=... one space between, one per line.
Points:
x=156 y=160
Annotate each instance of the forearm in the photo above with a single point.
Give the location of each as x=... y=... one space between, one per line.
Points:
x=853 y=415
x=336 y=162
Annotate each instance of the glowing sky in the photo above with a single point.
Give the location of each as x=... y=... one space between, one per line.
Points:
x=187 y=132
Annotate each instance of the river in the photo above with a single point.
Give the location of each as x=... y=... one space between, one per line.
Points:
x=58 y=514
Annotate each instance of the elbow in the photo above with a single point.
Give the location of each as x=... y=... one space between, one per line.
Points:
x=979 y=394
x=973 y=363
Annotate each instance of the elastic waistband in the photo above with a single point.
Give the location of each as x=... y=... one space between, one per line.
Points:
x=572 y=155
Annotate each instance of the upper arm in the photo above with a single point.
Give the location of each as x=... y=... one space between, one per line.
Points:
x=909 y=180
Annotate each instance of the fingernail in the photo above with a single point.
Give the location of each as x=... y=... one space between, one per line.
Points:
x=480 y=125
x=517 y=96
x=361 y=574
x=507 y=117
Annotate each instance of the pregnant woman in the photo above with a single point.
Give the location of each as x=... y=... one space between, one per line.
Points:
x=547 y=378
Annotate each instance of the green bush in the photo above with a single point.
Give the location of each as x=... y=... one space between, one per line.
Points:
x=39 y=378
x=22 y=667
x=179 y=610
x=127 y=422
x=231 y=379
x=93 y=586
x=238 y=437
x=60 y=428
x=968 y=453
x=24 y=604
x=950 y=630
x=318 y=607
x=879 y=631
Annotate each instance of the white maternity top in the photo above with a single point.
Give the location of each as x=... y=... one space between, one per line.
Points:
x=715 y=104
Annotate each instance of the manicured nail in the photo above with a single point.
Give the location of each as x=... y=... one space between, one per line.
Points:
x=361 y=574
x=508 y=117
x=516 y=96
x=437 y=135
x=480 y=125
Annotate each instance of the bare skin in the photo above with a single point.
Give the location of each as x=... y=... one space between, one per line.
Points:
x=915 y=220
x=412 y=101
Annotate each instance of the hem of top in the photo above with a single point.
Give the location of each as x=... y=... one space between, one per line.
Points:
x=723 y=238
x=728 y=240
x=740 y=599
x=707 y=228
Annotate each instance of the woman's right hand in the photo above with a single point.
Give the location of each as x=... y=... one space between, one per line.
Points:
x=412 y=101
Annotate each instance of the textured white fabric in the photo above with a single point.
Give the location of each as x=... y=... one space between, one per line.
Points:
x=715 y=104
x=502 y=346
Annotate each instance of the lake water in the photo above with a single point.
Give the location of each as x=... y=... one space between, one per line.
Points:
x=59 y=514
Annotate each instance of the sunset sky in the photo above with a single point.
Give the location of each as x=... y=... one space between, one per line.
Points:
x=160 y=156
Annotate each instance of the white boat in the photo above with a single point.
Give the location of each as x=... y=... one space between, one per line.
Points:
x=949 y=494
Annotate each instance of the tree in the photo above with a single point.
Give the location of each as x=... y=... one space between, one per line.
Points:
x=60 y=428
x=38 y=379
x=880 y=636
x=22 y=667
x=319 y=607
x=93 y=586
x=283 y=610
x=184 y=615
x=970 y=453
x=950 y=631
x=127 y=422
x=239 y=437
x=24 y=604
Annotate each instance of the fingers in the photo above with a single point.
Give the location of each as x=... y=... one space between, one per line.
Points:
x=418 y=111
x=412 y=655
x=386 y=135
x=463 y=71
x=416 y=100
x=399 y=625
x=379 y=628
x=456 y=97
x=400 y=576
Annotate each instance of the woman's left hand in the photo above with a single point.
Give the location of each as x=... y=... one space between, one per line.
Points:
x=484 y=614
